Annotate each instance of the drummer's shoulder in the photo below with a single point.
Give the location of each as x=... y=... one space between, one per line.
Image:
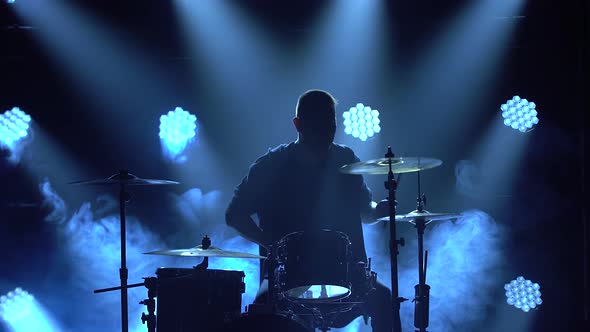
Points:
x=343 y=150
x=274 y=154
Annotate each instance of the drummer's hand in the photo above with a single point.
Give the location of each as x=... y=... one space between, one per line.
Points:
x=382 y=209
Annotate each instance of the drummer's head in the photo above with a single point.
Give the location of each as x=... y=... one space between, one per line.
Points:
x=315 y=118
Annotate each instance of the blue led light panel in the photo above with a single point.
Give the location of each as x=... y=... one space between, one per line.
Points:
x=14 y=126
x=361 y=122
x=178 y=128
x=523 y=294
x=520 y=114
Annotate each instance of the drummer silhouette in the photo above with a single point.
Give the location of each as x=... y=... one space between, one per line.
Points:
x=297 y=187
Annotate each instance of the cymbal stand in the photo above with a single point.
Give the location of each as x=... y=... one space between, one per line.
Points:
x=150 y=318
x=206 y=243
x=124 y=198
x=422 y=290
x=391 y=186
x=151 y=284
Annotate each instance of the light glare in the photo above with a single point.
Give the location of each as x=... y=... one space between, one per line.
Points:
x=14 y=127
x=519 y=114
x=523 y=294
x=178 y=129
x=361 y=122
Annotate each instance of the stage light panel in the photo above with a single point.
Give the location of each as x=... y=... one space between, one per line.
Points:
x=178 y=128
x=14 y=127
x=16 y=305
x=361 y=122
x=520 y=114
x=523 y=294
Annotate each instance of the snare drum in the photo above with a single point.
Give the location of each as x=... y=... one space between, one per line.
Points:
x=191 y=300
x=314 y=266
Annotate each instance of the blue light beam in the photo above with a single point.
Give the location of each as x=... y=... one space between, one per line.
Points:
x=178 y=129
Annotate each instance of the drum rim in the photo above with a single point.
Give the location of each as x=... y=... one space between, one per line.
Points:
x=328 y=299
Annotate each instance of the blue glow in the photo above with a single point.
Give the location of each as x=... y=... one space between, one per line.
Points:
x=455 y=268
x=14 y=127
x=523 y=294
x=520 y=114
x=178 y=129
x=93 y=232
x=10 y=1
x=361 y=122
x=21 y=312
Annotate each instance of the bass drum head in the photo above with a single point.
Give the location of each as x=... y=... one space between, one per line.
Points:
x=265 y=323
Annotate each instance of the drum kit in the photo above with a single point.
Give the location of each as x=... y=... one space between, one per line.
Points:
x=307 y=289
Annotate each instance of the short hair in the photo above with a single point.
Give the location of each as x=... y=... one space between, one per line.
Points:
x=312 y=101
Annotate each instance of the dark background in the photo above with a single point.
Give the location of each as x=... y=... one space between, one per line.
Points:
x=547 y=57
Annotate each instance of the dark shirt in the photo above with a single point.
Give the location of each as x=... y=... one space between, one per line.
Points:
x=290 y=191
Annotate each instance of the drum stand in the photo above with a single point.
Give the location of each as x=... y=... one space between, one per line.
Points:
x=124 y=197
x=391 y=186
x=150 y=318
x=422 y=290
x=150 y=283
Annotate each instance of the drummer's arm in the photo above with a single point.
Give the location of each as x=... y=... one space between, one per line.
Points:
x=374 y=212
x=371 y=211
x=246 y=201
x=246 y=226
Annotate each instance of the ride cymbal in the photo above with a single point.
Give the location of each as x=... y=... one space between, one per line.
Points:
x=398 y=165
x=124 y=178
x=428 y=216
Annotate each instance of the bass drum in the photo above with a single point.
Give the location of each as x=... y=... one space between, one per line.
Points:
x=266 y=323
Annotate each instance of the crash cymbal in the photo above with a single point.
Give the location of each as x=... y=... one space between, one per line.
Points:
x=428 y=216
x=198 y=251
x=124 y=178
x=398 y=165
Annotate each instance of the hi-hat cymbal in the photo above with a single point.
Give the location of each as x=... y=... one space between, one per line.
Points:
x=398 y=165
x=428 y=216
x=124 y=178
x=198 y=251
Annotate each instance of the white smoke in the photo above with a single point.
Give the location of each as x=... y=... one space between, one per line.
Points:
x=91 y=242
x=468 y=178
x=194 y=206
x=54 y=202
x=462 y=258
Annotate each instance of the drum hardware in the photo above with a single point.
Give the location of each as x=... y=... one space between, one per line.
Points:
x=394 y=243
x=123 y=178
x=150 y=302
x=205 y=244
x=150 y=283
x=420 y=218
x=390 y=165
